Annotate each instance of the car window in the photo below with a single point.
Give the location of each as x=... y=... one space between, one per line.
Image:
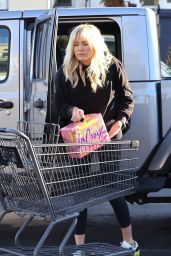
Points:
x=165 y=70
x=4 y=53
x=40 y=55
x=109 y=30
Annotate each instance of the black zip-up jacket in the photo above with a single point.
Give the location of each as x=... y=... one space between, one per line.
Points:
x=114 y=100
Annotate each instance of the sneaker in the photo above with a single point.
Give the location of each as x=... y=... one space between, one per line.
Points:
x=135 y=247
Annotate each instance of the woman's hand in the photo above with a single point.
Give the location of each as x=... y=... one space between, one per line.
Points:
x=77 y=114
x=116 y=127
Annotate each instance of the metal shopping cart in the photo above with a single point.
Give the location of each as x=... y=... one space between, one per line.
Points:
x=43 y=178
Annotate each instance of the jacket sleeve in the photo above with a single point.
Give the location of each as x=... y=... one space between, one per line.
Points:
x=62 y=96
x=125 y=100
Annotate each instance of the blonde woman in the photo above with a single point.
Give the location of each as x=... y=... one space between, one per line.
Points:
x=91 y=80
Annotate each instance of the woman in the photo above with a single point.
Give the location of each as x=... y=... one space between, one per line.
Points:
x=91 y=80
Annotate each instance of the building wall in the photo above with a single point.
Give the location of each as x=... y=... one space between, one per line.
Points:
x=28 y=4
x=46 y=4
x=162 y=3
x=165 y=4
x=84 y=3
x=96 y=3
x=3 y=4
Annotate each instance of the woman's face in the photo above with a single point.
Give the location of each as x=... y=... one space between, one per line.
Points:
x=82 y=50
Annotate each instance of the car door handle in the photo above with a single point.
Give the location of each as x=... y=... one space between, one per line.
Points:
x=6 y=104
x=38 y=103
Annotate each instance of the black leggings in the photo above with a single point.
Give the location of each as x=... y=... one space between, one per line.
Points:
x=119 y=206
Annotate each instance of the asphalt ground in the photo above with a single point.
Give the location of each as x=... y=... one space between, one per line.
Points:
x=151 y=228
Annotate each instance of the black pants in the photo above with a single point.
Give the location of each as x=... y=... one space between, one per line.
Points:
x=119 y=206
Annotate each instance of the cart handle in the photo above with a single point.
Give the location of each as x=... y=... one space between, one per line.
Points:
x=3 y=130
x=13 y=131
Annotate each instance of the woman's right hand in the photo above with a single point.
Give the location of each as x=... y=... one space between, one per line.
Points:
x=77 y=114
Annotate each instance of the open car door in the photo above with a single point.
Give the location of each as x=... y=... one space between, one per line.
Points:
x=43 y=65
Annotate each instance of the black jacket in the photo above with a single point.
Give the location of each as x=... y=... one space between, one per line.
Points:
x=114 y=101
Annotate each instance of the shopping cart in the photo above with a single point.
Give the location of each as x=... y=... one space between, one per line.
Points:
x=43 y=178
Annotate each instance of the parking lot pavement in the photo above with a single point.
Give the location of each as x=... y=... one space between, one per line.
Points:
x=151 y=228
x=53 y=251
x=158 y=252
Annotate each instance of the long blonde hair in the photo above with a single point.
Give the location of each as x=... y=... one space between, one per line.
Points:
x=100 y=61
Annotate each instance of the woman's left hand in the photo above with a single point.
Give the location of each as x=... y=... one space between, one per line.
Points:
x=116 y=127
